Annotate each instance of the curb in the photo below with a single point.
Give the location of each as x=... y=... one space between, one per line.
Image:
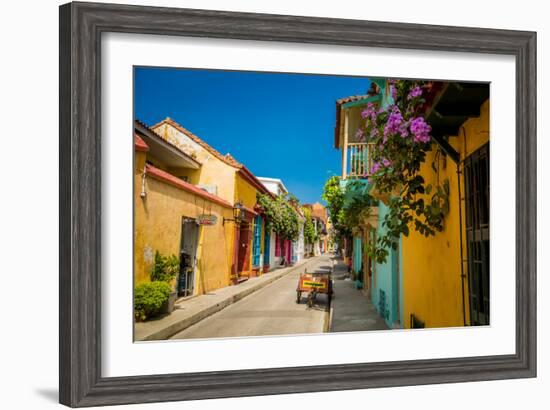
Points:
x=183 y=324
x=328 y=321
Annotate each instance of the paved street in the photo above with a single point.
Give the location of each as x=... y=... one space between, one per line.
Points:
x=270 y=311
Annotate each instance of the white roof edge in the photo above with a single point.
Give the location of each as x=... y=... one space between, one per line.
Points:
x=277 y=180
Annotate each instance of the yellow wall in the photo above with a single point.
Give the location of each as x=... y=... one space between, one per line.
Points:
x=432 y=285
x=245 y=192
x=158 y=226
x=213 y=171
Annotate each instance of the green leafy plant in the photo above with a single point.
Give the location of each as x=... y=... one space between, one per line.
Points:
x=149 y=298
x=309 y=229
x=359 y=208
x=281 y=214
x=344 y=216
x=333 y=194
x=165 y=268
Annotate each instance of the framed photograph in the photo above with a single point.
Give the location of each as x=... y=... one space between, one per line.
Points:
x=259 y=204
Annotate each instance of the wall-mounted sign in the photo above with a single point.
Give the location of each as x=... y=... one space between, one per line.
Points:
x=207 y=220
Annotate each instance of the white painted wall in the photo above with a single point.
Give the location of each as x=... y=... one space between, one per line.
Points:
x=298 y=245
x=273 y=185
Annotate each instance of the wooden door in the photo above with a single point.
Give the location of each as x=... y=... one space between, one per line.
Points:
x=243 y=264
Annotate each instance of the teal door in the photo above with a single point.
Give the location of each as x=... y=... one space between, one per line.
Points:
x=267 y=244
x=257 y=244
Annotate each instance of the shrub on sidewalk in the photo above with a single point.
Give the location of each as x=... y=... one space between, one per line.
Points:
x=149 y=298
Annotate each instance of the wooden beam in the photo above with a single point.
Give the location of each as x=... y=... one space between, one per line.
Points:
x=447 y=148
x=457 y=110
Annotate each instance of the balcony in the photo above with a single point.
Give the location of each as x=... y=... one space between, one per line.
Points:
x=357 y=161
x=356 y=165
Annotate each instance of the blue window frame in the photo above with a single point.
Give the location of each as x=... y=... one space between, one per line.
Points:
x=256 y=246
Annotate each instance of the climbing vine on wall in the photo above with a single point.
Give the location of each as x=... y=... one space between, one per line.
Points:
x=281 y=215
x=309 y=230
x=333 y=194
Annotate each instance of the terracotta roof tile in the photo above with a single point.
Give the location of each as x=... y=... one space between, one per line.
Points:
x=351 y=98
x=139 y=144
x=228 y=159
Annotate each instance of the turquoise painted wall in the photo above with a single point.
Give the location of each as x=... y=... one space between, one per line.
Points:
x=385 y=293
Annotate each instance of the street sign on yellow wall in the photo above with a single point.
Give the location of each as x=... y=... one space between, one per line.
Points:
x=207 y=220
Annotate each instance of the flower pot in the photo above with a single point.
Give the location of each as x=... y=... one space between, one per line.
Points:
x=168 y=306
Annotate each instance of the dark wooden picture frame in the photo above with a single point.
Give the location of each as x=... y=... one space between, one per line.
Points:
x=81 y=27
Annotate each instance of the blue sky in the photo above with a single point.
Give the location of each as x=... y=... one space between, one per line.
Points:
x=278 y=125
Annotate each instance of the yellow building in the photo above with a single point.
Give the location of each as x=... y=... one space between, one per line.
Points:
x=224 y=176
x=169 y=213
x=445 y=277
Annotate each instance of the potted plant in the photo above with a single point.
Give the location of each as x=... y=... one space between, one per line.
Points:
x=165 y=269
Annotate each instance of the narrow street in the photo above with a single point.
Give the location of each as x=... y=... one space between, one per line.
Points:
x=270 y=311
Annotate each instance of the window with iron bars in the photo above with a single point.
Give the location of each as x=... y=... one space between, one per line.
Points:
x=476 y=186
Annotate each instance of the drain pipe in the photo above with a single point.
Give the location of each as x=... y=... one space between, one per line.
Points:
x=143 y=194
x=462 y=275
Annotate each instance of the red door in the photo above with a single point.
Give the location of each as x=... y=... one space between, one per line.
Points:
x=244 y=249
x=288 y=251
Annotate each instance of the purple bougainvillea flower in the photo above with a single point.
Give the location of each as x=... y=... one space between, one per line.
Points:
x=415 y=92
x=404 y=129
x=420 y=130
x=360 y=135
x=375 y=168
x=393 y=92
x=386 y=162
x=395 y=120
x=369 y=112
